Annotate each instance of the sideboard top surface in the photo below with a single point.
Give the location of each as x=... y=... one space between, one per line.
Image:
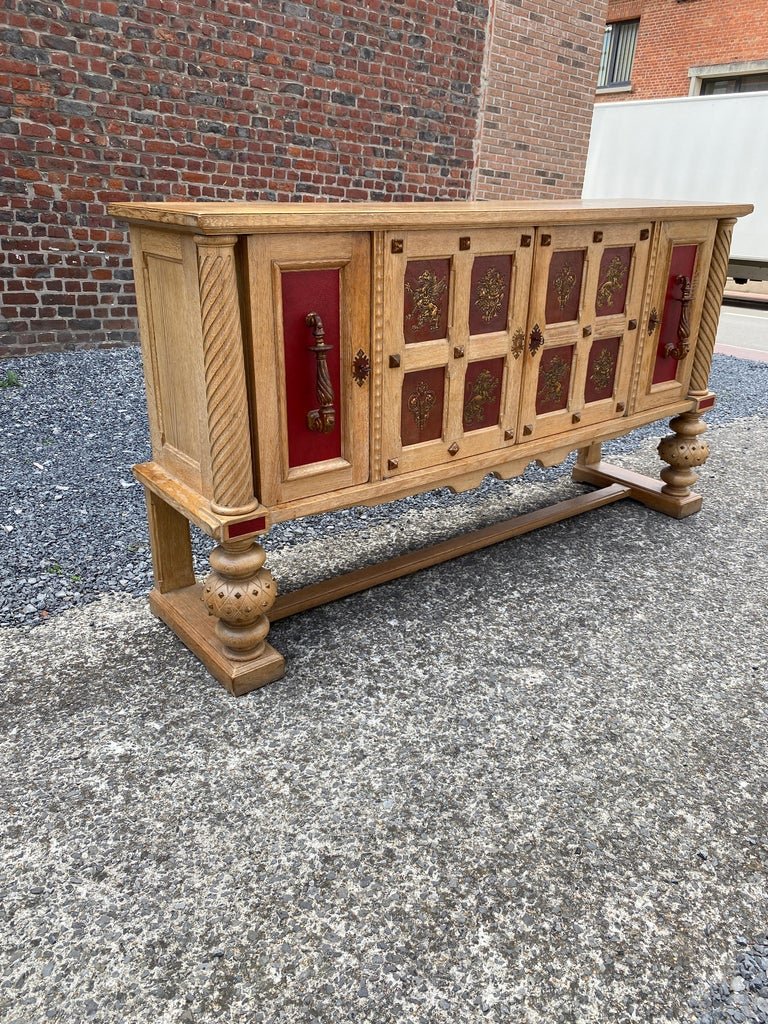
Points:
x=323 y=215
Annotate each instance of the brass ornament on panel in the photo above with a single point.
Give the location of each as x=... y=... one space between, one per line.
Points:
x=483 y=392
x=490 y=294
x=421 y=402
x=564 y=283
x=426 y=311
x=518 y=343
x=603 y=370
x=552 y=380
x=614 y=279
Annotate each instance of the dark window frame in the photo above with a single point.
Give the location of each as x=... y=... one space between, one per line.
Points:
x=618 y=54
x=709 y=84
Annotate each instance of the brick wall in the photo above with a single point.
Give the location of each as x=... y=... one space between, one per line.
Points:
x=675 y=36
x=537 y=105
x=194 y=99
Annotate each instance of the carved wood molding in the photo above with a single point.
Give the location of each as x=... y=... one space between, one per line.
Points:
x=225 y=380
x=653 y=258
x=710 y=314
x=377 y=354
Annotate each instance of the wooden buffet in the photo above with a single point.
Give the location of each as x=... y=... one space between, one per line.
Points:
x=306 y=357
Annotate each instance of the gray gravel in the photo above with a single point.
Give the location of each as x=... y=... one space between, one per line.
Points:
x=528 y=786
x=73 y=523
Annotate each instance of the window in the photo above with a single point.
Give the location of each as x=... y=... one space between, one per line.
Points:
x=618 y=53
x=736 y=76
x=736 y=83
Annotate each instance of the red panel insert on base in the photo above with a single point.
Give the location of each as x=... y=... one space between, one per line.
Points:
x=246 y=526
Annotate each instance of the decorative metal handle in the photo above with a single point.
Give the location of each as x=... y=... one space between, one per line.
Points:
x=536 y=340
x=322 y=420
x=682 y=348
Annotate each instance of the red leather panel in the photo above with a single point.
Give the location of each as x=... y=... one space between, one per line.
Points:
x=601 y=369
x=554 y=379
x=489 y=294
x=246 y=526
x=482 y=393
x=683 y=262
x=425 y=300
x=421 y=416
x=309 y=291
x=564 y=286
x=612 y=280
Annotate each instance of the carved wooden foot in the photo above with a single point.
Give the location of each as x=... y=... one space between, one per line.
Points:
x=239 y=592
x=683 y=450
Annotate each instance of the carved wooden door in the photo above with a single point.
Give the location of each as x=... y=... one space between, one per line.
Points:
x=586 y=301
x=672 y=313
x=454 y=329
x=310 y=362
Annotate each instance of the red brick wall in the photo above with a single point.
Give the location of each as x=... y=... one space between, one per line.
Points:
x=537 y=105
x=281 y=99
x=675 y=36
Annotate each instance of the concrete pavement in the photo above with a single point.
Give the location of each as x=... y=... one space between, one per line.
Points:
x=527 y=786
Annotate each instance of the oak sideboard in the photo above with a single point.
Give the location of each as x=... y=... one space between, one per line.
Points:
x=305 y=357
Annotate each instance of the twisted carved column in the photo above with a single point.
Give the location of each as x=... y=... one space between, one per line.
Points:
x=710 y=315
x=225 y=383
x=239 y=591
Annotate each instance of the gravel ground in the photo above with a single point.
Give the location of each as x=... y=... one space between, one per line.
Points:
x=528 y=786
x=72 y=519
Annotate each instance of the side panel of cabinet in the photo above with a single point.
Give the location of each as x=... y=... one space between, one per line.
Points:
x=167 y=291
x=586 y=299
x=672 y=312
x=308 y=298
x=453 y=333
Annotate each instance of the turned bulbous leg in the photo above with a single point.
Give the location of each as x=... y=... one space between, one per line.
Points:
x=683 y=450
x=239 y=592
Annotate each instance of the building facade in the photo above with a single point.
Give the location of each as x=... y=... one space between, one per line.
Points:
x=282 y=100
x=661 y=48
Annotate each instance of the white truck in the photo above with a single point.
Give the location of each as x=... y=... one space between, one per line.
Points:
x=692 y=148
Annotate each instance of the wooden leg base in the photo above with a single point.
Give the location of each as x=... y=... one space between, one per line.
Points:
x=641 y=488
x=183 y=610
